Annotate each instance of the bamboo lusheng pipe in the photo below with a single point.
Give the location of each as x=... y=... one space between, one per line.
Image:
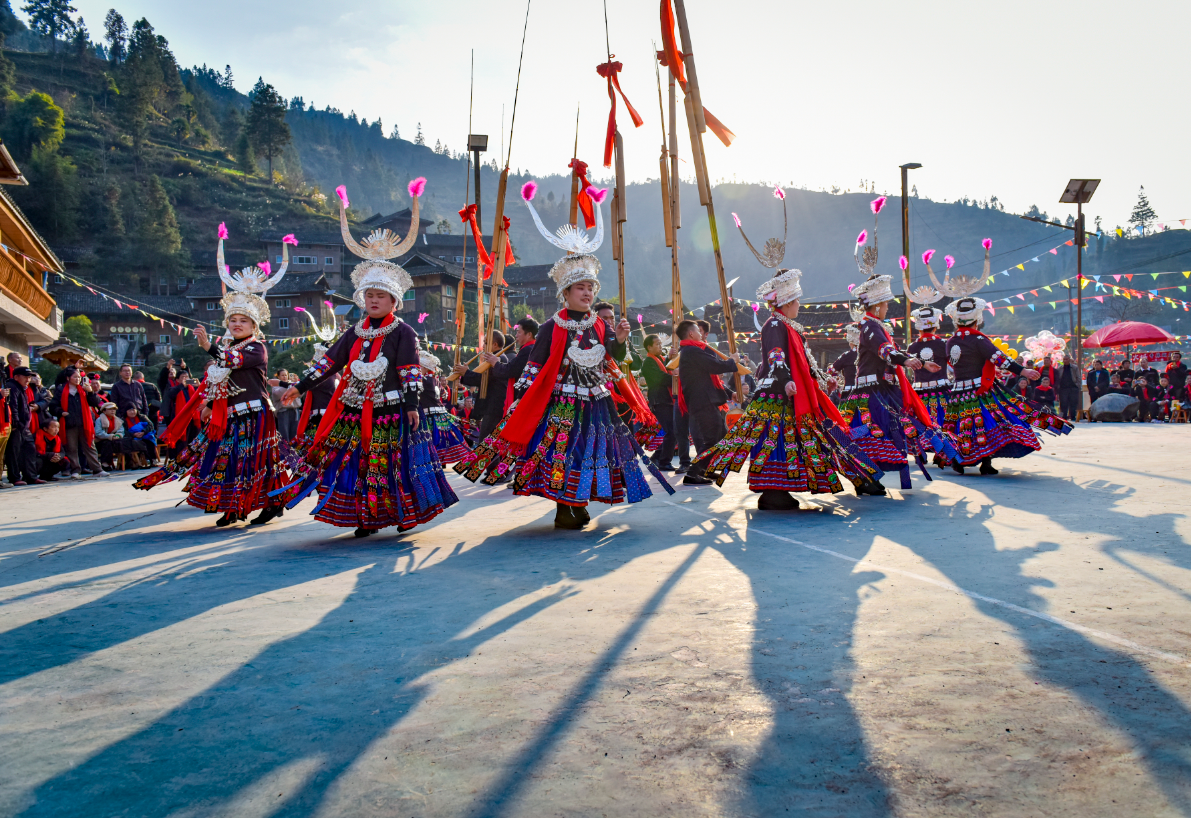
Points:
x=498 y=264
x=741 y=369
x=483 y=367
x=695 y=115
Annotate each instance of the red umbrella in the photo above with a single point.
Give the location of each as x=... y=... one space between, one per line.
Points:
x=1127 y=333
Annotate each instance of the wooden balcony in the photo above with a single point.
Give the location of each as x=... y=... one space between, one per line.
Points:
x=24 y=288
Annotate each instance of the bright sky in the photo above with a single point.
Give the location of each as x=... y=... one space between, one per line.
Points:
x=1010 y=98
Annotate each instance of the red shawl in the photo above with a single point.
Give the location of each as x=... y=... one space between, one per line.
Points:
x=88 y=420
x=809 y=397
x=523 y=422
x=43 y=441
x=715 y=379
x=109 y=422
x=910 y=399
x=34 y=413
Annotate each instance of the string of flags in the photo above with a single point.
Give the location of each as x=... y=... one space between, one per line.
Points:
x=1099 y=285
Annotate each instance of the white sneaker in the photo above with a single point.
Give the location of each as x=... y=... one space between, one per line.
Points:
x=74 y=475
x=4 y=484
x=102 y=474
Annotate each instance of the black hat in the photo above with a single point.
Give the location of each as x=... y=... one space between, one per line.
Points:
x=23 y=370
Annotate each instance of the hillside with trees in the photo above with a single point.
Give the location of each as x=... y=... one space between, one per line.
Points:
x=133 y=161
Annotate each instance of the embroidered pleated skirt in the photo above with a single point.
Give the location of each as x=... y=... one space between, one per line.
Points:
x=235 y=473
x=997 y=423
x=397 y=481
x=447 y=433
x=580 y=451
x=788 y=452
x=887 y=432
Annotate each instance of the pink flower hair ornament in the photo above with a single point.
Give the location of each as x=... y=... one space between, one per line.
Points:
x=222 y=230
x=597 y=196
x=529 y=190
x=904 y=262
x=736 y=219
x=290 y=239
x=986 y=244
x=341 y=192
x=949 y=261
x=266 y=267
x=417 y=186
x=926 y=257
x=778 y=193
x=877 y=204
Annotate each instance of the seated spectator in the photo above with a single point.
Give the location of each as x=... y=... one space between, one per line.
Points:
x=1126 y=374
x=1044 y=393
x=1166 y=395
x=51 y=460
x=1146 y=395
x=140 y=439
x=109 y=435
x=1116 y=388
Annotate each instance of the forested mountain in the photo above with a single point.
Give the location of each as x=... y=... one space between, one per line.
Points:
x=133 y=162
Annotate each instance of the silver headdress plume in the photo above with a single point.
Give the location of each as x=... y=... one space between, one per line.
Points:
x=775 y=250
x=966 y=308
x=376 y=272
x=927 y=294
x=868 y=262
x=784 y=286
x=580 y=263
x=324 y=334
x=244 y=289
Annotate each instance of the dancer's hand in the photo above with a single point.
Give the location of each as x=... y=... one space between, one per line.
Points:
x=204 y=416
x=913 y=363
x=931 y=366
x=200 y=336
x=291 y=395
x=411 y=415
x=1032 y=374
x=791 y=389
x=622 y=330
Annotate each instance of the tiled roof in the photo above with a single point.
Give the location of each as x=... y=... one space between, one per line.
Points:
x=81 y=302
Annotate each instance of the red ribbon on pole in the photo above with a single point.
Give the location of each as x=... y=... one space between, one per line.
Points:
x=670 y=57
x=468 y=216
x=608 y=71
x=585 y=204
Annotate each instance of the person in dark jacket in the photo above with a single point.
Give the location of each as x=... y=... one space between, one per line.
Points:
x=525 y=334
x=1044 y=393
x=1098 y=381
x=126 y=392
x=1176 y=371
x=702 y=393
x=51 y=460
x=1068 y=388
x=660 y=394
x=491 y=407
x=21 y=453
x=1147 y=397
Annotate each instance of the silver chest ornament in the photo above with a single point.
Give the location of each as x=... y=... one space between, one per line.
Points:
x=927 y=354
x=366 y=381
x=585 y=358
x=955 y=353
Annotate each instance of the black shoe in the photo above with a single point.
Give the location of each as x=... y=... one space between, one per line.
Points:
x=227 y=519
x=564 y=517
x=683 y=469
x=581 y=514
x=957 y=468
x=365 y=532
x=776 y=501
x=872 y=488
x=695 y=479
x=664 y=466
x=269 y=513
x=986 y=466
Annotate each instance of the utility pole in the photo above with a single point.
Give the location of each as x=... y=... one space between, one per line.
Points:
x=906 y=242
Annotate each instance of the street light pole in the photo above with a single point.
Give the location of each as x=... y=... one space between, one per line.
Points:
x=906 y=241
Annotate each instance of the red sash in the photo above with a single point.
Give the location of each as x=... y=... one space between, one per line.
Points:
x=41 y=440
x=809 y=398
x=335 y=408
x=34 y=414
x=910 y=399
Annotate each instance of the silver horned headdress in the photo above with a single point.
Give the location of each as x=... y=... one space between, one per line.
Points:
x=376 y=272
x=784 y=286
x=244 y=290
x=966 y=309
x=580 y=263
x=775 y=250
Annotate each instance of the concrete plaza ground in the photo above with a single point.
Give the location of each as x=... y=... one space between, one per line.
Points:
x=980 y=646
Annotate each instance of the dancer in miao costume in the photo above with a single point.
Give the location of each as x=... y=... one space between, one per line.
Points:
x=238 y=458
x=316 y=401
x=933 y=388
x=845 y=365
x=564 y=439
x=371 y=461
x=791 y=432
x=445 y=429
x=888 y=421
x=986 y=419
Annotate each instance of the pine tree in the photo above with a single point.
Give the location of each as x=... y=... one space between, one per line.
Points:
x=81 y=39
x=396 y=134
x=245 y=157
x=1143 y=215
x=438 y=146
x=419 y=139
x=158 y=239
x=50 y=18
x=266 y=123
x=228 y=78
x=115 y=32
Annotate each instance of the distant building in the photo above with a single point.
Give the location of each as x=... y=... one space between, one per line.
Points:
x=29 y=316
x=126 y=336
